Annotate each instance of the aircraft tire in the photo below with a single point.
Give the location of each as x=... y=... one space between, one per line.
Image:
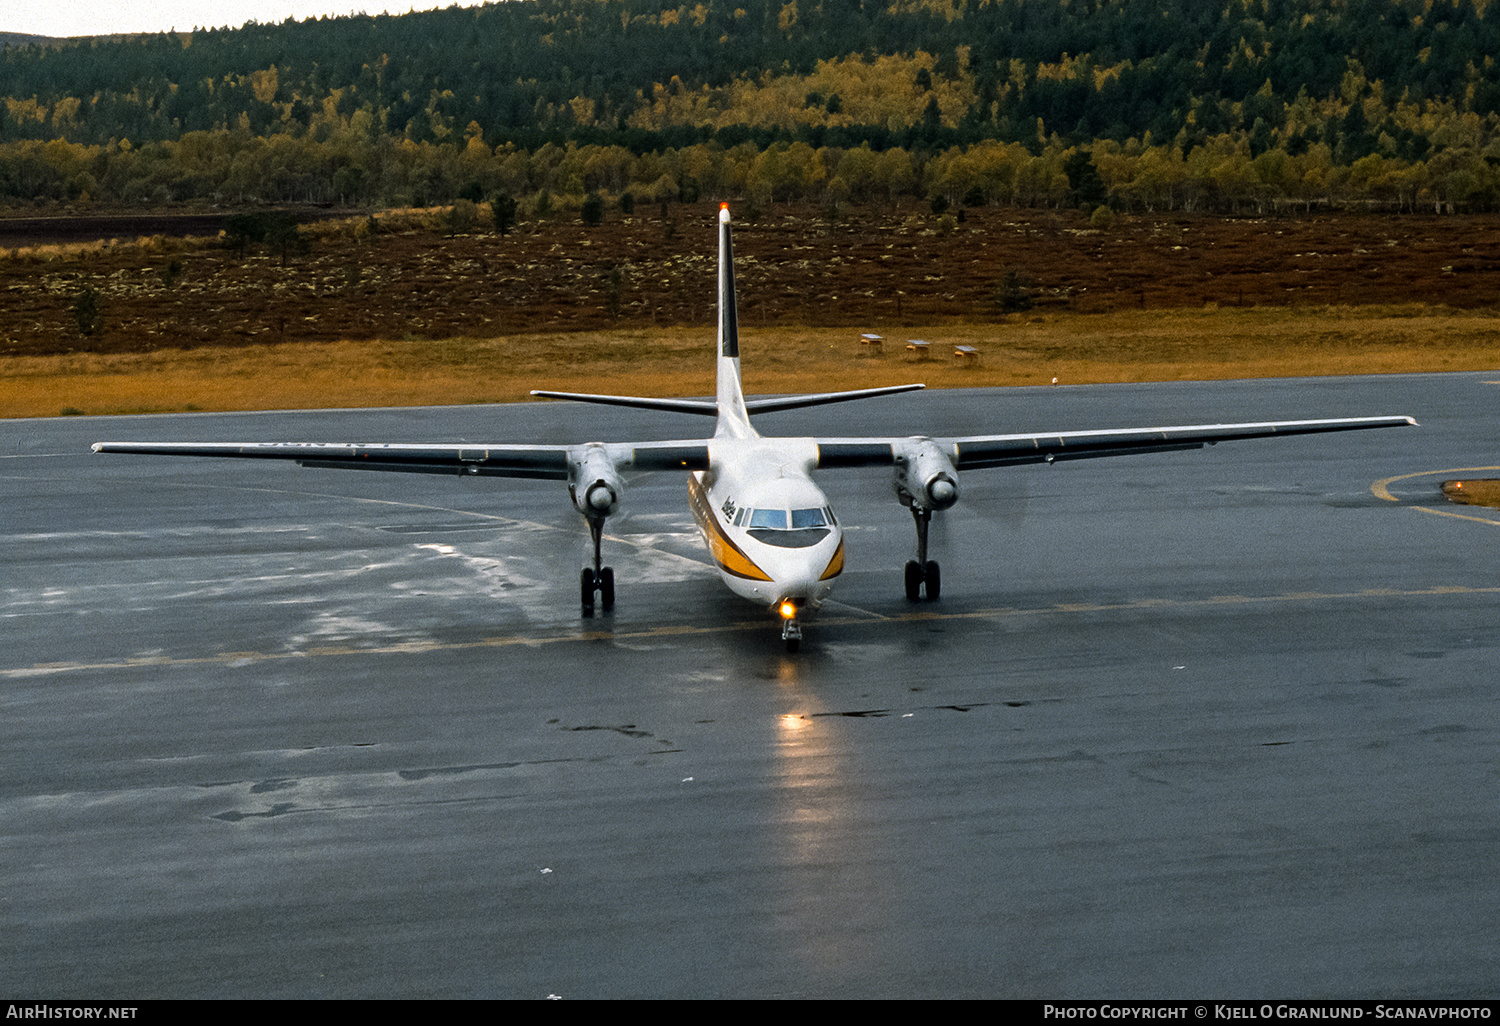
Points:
x=607 y=588
x=586 y=591
x=913 y=580
x=934 y=581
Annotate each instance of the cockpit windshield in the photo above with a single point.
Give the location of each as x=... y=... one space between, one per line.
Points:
x=771 y=518
x=787 y=528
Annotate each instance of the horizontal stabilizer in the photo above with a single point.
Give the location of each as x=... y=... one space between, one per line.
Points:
x=708 y=409
x=697 y=406
x=797 y=402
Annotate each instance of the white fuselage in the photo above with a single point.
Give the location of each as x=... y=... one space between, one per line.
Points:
x=767 y=526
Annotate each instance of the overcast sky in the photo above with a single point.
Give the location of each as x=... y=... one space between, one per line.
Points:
x=103 y=17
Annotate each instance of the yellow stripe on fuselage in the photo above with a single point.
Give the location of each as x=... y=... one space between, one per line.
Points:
x=730 y=557
x=836 y=564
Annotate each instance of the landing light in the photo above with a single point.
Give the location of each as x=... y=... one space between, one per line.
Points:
x=788 y=610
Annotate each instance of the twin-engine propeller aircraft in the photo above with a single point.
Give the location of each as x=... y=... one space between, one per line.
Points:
x=767 y=526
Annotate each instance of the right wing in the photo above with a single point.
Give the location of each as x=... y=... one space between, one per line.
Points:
x=526 y=461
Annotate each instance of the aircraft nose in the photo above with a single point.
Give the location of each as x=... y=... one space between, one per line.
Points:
x=799 y=588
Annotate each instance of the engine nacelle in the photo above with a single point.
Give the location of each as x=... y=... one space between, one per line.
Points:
x=925 y=476
x=594 y=482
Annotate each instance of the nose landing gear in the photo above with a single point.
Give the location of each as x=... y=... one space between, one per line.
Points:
x=791 y=630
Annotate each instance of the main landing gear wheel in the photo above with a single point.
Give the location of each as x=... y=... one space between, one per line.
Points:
x=600 y=579
x=603 y=583
x=920 y=574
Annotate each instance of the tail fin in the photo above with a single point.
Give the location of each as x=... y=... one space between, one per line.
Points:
x=734 y=419
x=729 y=405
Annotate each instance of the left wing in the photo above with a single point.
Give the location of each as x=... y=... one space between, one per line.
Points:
x=526 y=461
x=977 y=451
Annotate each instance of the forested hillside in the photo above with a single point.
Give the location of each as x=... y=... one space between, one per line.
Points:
x=1140 y=104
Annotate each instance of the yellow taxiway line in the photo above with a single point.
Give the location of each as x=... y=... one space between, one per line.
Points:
x=1381 y=490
